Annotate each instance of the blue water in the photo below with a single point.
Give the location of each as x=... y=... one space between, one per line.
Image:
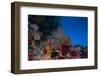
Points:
x=76 y=28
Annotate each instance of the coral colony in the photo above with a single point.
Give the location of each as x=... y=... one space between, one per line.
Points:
x=47 y=41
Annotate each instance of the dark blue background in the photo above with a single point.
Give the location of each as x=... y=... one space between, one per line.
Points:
x=76 y=28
